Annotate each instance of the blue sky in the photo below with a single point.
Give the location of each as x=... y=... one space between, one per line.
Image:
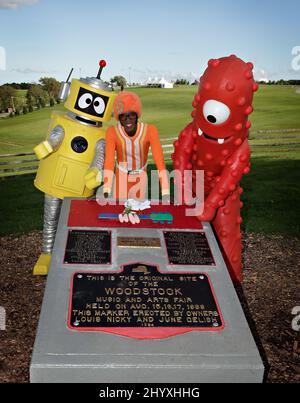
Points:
x=143 y=38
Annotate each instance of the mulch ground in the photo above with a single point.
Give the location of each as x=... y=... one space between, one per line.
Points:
x=270 y=291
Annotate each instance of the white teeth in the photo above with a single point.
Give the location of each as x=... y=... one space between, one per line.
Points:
x=221 y=141
x=200 y=132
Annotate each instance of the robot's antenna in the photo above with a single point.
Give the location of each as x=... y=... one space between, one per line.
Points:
x=102 y=64
x=71 y=72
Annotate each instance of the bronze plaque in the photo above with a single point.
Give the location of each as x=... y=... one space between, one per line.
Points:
x=188 y=248
x=88 y=247
x=131 y=242
x=141 y=296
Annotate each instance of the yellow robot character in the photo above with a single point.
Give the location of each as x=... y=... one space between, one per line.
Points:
x=72 y=157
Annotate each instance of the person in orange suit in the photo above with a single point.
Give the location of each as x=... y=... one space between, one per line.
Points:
x=130 y=141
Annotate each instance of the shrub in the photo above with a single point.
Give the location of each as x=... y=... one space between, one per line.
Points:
x=42 y=103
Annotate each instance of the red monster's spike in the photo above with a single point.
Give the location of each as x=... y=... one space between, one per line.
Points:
x=230 y=87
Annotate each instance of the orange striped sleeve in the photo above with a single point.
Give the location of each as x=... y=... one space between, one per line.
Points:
x=109 y=164
x=159 y=160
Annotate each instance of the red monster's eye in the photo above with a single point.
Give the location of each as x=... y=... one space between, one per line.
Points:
x=216 y=112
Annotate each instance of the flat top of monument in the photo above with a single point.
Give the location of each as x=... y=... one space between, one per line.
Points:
x=158 y=216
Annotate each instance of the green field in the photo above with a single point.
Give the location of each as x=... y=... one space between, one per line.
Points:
x=21 y=93
x=272 y=190
x=276 y=107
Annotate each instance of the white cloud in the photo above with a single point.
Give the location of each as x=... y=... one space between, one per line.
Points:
x=262 y=75
x=29 y=70
x=13 y=4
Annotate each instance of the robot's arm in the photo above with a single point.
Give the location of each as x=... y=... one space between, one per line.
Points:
x=237 y=166
x=182 y=157
x=99 y=158
x=52 y=144
x=93 y=178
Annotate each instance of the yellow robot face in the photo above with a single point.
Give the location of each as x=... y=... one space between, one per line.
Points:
x=90 y=102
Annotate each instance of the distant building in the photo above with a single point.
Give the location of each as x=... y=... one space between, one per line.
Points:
x=159 y=83
x=166 y=84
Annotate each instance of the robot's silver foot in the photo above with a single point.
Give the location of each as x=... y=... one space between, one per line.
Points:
x=52 y=210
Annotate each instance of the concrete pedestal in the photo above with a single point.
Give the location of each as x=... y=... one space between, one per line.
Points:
x=65 y=355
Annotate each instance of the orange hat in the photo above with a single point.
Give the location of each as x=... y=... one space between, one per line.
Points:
x=127 y=102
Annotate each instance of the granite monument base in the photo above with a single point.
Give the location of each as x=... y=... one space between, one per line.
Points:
x=152 y=303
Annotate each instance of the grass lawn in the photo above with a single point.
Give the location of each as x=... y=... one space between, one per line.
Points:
x=23 y=133
x=21 y=205
x=276 y=107
x=272 y=190
x=271 y=199
x=22 y=93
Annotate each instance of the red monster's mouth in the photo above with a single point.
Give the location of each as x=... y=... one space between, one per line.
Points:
x=218 y=140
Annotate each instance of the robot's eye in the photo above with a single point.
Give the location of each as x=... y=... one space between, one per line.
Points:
x=99 y=105
x=85 y=101
x=216 y=112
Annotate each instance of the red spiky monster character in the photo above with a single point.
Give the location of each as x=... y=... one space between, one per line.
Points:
x=217 y=143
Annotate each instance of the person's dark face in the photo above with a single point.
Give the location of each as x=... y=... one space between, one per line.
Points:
x=129 y=122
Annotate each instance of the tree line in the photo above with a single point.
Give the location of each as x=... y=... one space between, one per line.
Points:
x=38 y=95
x=45 y=92
x=281 y=82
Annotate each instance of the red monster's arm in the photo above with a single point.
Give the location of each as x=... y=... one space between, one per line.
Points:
x=182 y=157
x=183 y=149
x=237 y=166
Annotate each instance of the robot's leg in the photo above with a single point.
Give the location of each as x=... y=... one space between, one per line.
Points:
x=227 y=228
x=52 y=208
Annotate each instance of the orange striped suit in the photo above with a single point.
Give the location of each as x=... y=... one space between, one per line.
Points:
x=132 y=155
